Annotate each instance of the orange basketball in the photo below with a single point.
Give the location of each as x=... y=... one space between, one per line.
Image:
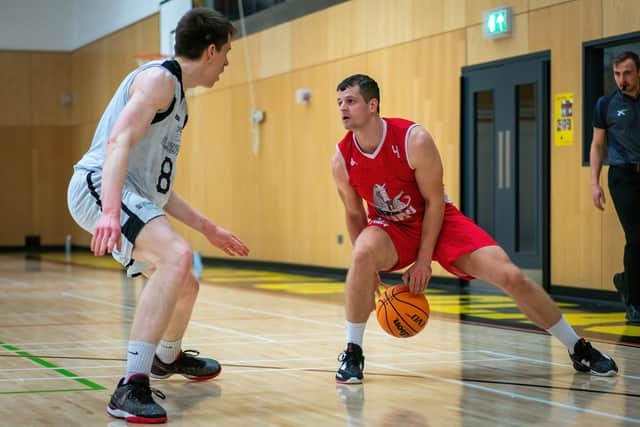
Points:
x=400 y=313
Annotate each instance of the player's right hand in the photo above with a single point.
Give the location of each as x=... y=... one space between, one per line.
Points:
x=597 y=194
x=106 y=236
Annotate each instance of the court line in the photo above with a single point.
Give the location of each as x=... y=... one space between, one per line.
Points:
x=510 y=394
x=79 y=378
x=61 y=367
x=24 y=344
x=60 y=390
x=15 y=283
x=235 y=363
x=54 y=313
x=547 y=362
x=200 y=324
x=216 y=328
x=283 y=316
x=42 y=362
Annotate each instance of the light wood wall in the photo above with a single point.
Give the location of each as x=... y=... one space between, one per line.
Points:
x=415 y=49
x=282 y=200
x=35 y=139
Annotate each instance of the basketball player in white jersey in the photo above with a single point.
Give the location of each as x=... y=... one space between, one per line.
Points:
x=120 y=192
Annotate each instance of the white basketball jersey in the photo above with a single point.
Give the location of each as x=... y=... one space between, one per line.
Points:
x=152 y=161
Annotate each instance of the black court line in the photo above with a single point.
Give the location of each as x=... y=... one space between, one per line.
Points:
x=377 y=374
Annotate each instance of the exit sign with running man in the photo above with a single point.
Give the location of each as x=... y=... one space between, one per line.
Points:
x=497 y=23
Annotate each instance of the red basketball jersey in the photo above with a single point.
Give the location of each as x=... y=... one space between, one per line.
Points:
x=384 y=178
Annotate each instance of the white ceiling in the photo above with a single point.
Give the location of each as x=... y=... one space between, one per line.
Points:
x=65 y=25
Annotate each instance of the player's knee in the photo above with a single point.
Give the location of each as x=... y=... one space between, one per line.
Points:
x=363 y=257
x=512 y=279
x=181 y=257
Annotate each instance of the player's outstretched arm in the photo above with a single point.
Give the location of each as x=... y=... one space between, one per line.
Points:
x=151 y=91
x=355 y=215
x=178 y=208
x=425 y=159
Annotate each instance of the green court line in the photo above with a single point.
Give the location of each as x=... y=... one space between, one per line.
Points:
x=45 y=391
x=46 y=364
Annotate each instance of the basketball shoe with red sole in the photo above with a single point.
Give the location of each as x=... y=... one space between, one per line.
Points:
x=134 y=402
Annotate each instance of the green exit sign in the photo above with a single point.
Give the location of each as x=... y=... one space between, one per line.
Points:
x=497 y=22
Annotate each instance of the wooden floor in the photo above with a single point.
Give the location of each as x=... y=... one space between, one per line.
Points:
x=64 y=328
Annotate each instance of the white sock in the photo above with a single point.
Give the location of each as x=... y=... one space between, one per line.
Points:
x=168 y=351
x=139 y=358
x=355 y=332
x=564 y=333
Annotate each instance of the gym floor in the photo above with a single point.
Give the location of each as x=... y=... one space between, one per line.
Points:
x=478 y=362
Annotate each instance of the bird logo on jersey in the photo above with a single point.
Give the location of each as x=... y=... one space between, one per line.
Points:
x=398 y=209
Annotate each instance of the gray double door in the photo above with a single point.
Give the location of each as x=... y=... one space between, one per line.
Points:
x=505 y=160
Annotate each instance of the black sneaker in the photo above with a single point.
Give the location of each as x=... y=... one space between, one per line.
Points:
x=188 y=365
x=351 y=366
x=133 y=402
x=587 y=359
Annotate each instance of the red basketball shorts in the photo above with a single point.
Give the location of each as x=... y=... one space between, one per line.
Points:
x=459 y=235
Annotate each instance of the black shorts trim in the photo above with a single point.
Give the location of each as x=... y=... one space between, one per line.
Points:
x=132 y=226
x=92 y=190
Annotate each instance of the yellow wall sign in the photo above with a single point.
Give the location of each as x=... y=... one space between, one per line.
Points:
x=563 y=119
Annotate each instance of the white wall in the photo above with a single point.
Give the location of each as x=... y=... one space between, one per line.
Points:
x=96 y=18
x=35 y=24
x=65 y=25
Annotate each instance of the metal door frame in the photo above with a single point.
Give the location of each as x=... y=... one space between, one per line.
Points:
x=468 y=150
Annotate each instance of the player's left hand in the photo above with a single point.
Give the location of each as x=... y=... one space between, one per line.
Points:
x=227 y=242
x=417 y=277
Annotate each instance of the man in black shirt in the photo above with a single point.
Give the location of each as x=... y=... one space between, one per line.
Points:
x=616 y=138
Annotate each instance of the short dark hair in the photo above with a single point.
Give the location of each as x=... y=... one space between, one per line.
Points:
x=368 y=87
x=198 y=29
x=627 y=55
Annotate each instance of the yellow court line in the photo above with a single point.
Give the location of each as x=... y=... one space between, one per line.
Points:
x=620 y=330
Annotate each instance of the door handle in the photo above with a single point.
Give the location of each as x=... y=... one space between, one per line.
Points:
x=500 y=160
x=507 y=159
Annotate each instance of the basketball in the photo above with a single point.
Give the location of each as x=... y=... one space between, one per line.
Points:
x=400 y=313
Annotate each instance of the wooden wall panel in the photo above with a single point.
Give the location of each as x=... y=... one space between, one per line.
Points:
x=16 y=199
x=576 y=245
x=481 y=49
x=344 y=35
x=274 y=54
x=91 y=80
x=429 y=17
x=539 y=4
x=51 y=151
x=244 y=59
x=310 y=47
x=50 y=80
x=476 y=8
x=15 y=88
x=123 y=45
x=619 y=17
x=385 y=23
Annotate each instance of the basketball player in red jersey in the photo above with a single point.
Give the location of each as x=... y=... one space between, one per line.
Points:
x=394 y=165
